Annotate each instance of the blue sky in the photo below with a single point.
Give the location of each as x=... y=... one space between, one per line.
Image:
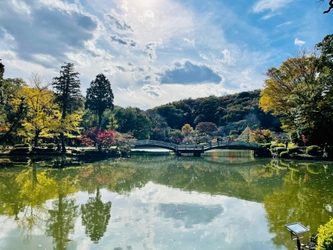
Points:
x=158 y=51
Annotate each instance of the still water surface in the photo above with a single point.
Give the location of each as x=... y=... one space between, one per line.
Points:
x=221 y=200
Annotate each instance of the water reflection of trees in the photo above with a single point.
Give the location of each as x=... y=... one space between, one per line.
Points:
x=95 y=216
x=303 y=197
x=289 y=191
x=61 y=220
x=24 y=195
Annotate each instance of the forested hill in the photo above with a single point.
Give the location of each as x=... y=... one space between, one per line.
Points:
x=239 y=109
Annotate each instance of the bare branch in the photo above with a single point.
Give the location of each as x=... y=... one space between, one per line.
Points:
x=331 y=7
x=36 y=81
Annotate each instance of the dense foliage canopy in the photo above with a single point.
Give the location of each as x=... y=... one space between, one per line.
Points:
x=300 y=92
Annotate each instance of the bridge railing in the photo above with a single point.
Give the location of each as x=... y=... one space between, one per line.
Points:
x=156 y=143
x=190 y=147
x=232 y=143
x=207 y=146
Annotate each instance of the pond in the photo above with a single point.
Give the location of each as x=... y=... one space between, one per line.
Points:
x=221 y=200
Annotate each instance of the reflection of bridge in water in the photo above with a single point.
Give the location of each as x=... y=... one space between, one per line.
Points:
x=197 y=150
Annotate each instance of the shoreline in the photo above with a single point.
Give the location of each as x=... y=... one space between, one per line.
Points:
x=103 y=155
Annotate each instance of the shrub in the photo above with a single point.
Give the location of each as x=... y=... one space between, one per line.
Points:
x=279 y=149
x=233 y=133
x=277 y=145
x=293 y=149
x=265 y=145
x=19 y=151
x=50 y=145
x=26 y=145
x=284 y=154
x=312 y=150
x=294 y=138
x=325 y=236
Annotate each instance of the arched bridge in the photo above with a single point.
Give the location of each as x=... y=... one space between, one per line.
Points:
x=199 y=149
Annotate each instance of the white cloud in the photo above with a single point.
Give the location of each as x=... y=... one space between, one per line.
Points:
x=136 y=44
x=153 y=91
x=272 y=5
x=227 y=58
x=190 y=73
x=299 y=42
x=61 y=5
x=191 y=42
x=284 y=24
x=148 y=14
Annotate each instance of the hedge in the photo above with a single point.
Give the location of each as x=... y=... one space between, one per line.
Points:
x=284 y=154
x=293 y=149
x=312 y=150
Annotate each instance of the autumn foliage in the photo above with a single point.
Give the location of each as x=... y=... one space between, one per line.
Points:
x=98 y=137
x=206 y=127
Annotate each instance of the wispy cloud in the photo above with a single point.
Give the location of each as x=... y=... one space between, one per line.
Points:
x=283 y=24
x=271 y=5
x=299 y=42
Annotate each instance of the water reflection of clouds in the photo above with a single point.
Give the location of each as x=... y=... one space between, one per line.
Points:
x=191 y=214
x=160 y=217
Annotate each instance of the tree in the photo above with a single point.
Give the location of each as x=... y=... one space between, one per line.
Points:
x=186 y=129
x=245 y=135
x=98 y=137
x=2 y=70
x=293 y=92
x=122 y=138
x=99 y=96
x=261 y=136
x=159 y=125
x=135 y=121
x=206 y=127
x=198 y=119
x=173 y=116
x=126 y=118
x=16 y=117
x=300 y=92
x=112 y=122
x=175 y=135
x=13 y=107
x=142 y=128
x=42 y=110
x=323 y=121
x=2 y=95
x=67 y=90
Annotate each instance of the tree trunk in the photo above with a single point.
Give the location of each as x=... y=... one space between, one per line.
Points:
x=99 y=120
x=62 y=140
x=36 y=139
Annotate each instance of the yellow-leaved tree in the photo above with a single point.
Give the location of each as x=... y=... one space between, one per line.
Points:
x=292 y=91
x=42 y=111
x=186 y=130
x=70 y=125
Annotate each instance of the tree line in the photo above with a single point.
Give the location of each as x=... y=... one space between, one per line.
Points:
x=58 y=111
